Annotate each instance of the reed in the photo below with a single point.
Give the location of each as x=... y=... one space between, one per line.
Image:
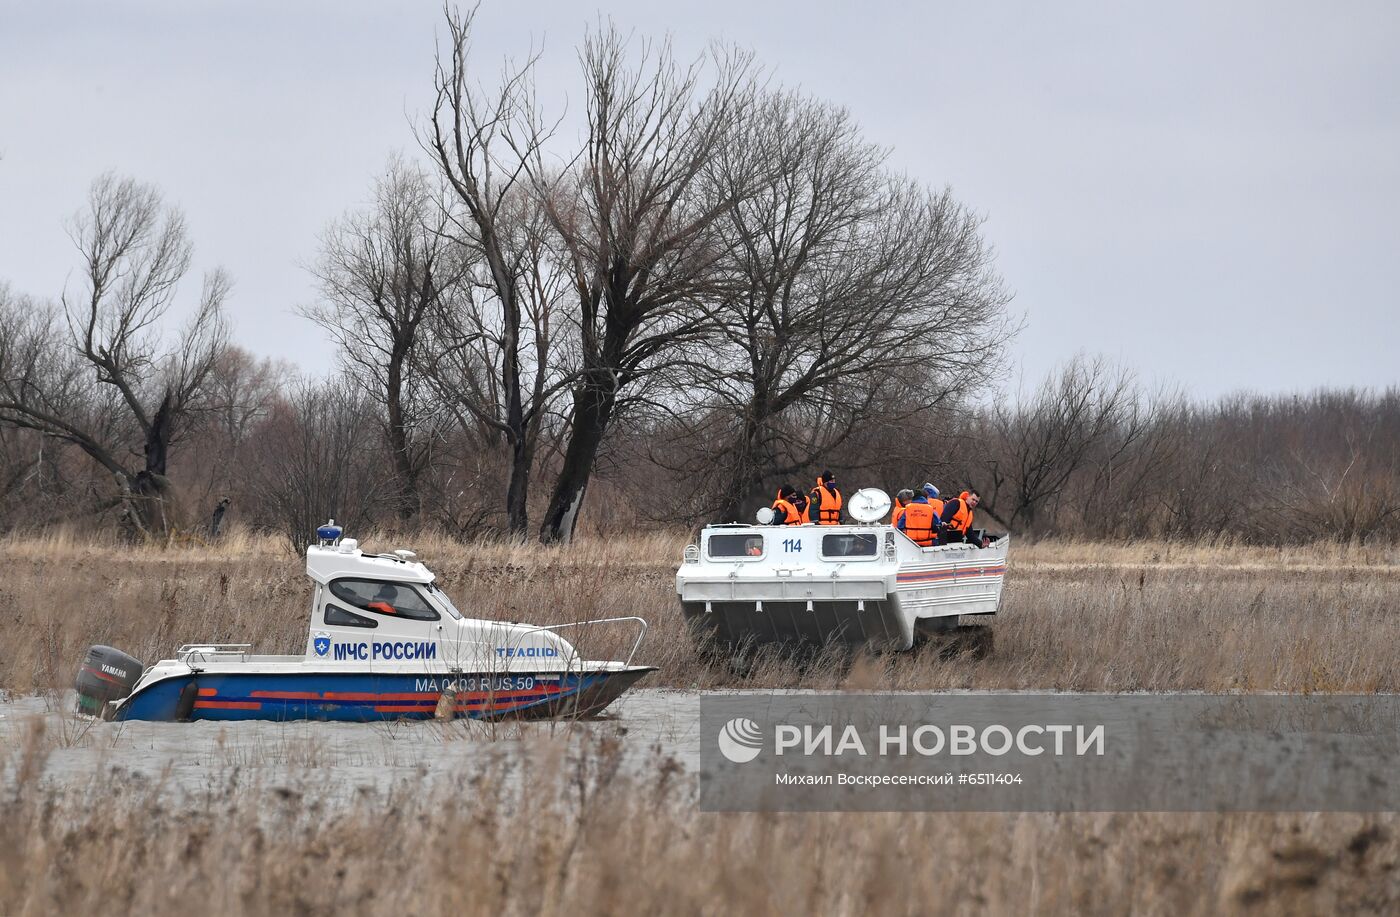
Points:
x=1075 y=615
x=558 y=827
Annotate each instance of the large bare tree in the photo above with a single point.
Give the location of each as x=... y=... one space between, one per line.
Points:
x=853 y=295
x=639 y=229
x=383 y=271
x=106 y=372
x=496 y=363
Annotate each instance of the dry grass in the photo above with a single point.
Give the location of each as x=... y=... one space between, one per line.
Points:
x=1075 y=616
x=581 y=835
x=556 y=826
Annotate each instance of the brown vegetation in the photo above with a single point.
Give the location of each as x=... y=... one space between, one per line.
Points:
x=582 y=835
x=1075 y=616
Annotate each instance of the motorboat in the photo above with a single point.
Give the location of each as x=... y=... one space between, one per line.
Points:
x=384 y=642
x=864 y=584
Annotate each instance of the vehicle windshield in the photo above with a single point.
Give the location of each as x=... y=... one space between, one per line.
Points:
x=442 y=599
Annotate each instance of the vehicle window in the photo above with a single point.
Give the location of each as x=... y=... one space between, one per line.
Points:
x=736 y=545
x=397 y=599
x=342 y=618
x=443 y=599
x=854 y=544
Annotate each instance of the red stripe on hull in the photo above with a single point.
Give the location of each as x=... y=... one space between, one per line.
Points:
x=949 y=574
x=359 y=695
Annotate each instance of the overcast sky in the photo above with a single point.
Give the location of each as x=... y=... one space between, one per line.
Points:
x=1208 y=191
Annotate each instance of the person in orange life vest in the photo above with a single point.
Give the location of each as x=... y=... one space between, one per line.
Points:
x=784 y=511
x=919 y=521
x=802 y=504
x=826 y=500
x=901 y=500
x=753 y=547
x=384 y=599
x=955 y=521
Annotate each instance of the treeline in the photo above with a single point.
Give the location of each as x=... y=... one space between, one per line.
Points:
x=1088 y=454
x=713 y=287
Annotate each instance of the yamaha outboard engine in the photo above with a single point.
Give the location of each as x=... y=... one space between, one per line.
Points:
x=105 y=675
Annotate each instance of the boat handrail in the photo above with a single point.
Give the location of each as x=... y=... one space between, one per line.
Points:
x=206 y=650
x=641 y=630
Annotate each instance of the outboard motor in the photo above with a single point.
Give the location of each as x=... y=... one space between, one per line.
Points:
x=106 y=675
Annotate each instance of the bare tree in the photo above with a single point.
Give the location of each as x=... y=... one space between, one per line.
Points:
x=639 y=232
x=240 y=392
x=383 y=271
x=103 y=373
x=1032 y=450
x=495 y=362
x=852 y=295
x=315 y=459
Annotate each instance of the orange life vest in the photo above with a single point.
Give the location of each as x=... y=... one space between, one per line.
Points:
x=919 y=524
x=830 y=498
x=962 y=519
x=787 y=513
x=898 y=511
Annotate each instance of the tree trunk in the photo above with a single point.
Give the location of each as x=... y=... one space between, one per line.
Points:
x=145 y=492
x=593 y=406
x=522 y=451
x=746 y=478
x=518 y=489
x=404 y=471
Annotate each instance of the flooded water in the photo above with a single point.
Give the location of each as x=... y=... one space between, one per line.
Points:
x=651 y=727
x=200 y=756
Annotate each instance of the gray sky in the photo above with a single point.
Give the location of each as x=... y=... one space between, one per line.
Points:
x=1209 y=192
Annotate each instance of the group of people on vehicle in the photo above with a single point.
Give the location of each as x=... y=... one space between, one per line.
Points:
x=928 y=519
x=925 y=517
x=822 y=505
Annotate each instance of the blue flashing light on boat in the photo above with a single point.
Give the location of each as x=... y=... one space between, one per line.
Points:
x=329 y=533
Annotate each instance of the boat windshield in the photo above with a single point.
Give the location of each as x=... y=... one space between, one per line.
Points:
x=441 y=598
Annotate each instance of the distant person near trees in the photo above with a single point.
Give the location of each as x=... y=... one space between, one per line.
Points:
x=826 y=500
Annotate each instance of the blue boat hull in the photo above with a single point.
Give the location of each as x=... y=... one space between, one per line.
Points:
x=368 y=697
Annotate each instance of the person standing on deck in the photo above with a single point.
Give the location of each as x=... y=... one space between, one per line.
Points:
x=826 y=500
x=785 y=512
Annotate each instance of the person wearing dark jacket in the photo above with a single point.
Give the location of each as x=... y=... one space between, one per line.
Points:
x=785 y=511
x=955 y=522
